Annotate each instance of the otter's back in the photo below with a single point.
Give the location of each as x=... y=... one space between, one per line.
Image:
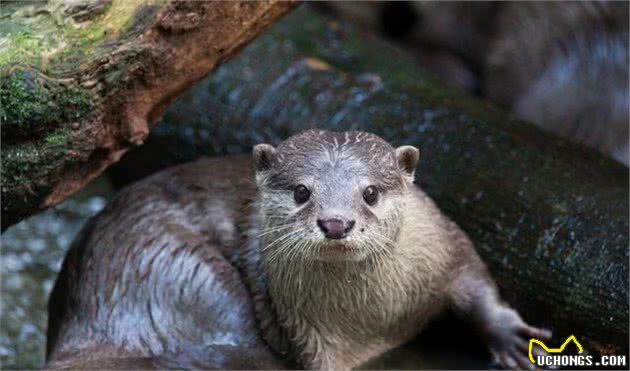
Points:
x=146 y=276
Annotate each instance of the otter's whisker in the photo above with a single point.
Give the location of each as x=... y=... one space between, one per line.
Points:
x=281 y=238
x=267 y=231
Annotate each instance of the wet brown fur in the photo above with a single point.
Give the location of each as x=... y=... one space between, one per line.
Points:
x=179 y=270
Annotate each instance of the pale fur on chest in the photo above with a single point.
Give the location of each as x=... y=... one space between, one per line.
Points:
x=341 y=314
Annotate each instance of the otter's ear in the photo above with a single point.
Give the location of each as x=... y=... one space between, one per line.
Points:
x=263 y=154
x=407 y=157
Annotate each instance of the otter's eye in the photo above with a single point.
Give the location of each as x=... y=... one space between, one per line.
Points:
x=301 y=194
x=370 y=195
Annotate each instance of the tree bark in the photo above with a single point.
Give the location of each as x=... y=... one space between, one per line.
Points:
x=550 y=218
x=83 y=81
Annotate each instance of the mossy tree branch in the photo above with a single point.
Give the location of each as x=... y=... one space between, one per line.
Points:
x=83 y=81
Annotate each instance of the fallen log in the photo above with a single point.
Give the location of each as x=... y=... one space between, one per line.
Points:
x=550 y=218
x=83 y=81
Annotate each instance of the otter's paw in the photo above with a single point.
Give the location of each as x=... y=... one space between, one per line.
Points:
x=509 y=341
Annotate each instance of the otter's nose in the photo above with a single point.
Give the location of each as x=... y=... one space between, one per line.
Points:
x=335 y=229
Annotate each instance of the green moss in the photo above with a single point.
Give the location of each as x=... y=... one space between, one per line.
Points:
x=18 y=163
x=121 y=20
x=21 y=103
x=32 y=106
x=44 y=36
x=29 y=169
x=57 y=139
x=20 y=50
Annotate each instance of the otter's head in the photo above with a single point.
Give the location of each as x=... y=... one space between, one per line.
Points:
x=331 y=195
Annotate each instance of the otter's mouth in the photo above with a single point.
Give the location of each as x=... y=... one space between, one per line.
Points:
x=336 y=250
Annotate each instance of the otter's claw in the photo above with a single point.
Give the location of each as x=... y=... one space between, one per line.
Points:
x=509 y=341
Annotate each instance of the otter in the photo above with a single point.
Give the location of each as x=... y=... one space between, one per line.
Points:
x=326 y=256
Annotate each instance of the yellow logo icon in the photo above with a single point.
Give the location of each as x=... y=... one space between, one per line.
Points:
x=553 y=350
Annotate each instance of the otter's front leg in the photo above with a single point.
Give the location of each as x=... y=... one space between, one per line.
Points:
x=474 y=296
